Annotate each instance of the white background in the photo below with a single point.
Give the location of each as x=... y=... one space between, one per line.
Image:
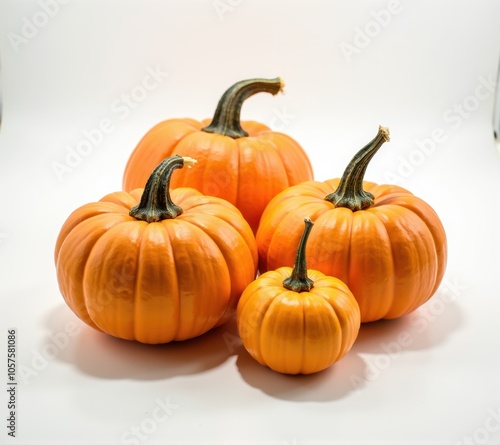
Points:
x=425 y=72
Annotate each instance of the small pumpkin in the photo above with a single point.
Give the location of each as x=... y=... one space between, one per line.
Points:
x=140 y=267
x=236 y=159
x=297 y=321
x=386 y=244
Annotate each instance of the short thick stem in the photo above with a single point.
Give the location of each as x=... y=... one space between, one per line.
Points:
x=350 y=192
x=299 y=281
x=226 y=120
x=156 y=204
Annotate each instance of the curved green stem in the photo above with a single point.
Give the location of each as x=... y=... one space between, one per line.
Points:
x=226 y=120
x=299 y=281
x=350 y=191
x=156 y=203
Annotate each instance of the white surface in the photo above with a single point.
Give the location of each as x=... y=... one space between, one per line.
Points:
x=439 y=386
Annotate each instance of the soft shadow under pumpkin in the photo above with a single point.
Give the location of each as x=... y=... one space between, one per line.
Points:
x=101 y=355
x=427 y=327
x=330 y=384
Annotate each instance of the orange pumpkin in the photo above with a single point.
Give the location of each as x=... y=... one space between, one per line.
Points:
x=297 y=320
x=234 y=162
x=386 y=244
x=139 y=267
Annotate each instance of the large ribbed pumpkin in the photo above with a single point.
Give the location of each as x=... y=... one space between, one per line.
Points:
x=139 y=267
x=386 y=244
x=236 y=159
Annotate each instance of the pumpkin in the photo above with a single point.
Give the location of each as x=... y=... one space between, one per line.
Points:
x=386 y=244
x=297 y=321
x=140 y=267
x=236 y=159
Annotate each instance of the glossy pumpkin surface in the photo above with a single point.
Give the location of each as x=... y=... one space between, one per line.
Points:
x=386 y=244
x=297 y=321
x=154 y=277
x=237 y=160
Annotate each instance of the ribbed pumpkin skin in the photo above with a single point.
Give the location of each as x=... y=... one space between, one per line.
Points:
x=258 y=166
x=157 y=144
x=392 y=255
x=155 y=282
x=297 y=332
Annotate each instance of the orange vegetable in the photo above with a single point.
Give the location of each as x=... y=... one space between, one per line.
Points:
x=297 y=320
x=386 y=244
x=234 y=162
x=139 y=267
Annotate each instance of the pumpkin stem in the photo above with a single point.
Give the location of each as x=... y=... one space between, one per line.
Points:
x=226 y=120
x=156 y=203
x=299 y=281
x=350 y=191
